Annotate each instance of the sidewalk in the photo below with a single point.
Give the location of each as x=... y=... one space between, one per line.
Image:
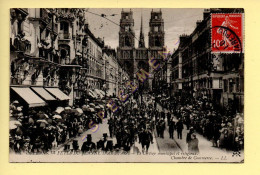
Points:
x=167 y=144
x=205 y=146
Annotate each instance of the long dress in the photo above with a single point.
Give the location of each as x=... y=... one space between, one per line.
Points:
x=193 y=146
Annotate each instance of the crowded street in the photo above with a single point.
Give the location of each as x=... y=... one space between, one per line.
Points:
x=74 y=92
x=73 y=130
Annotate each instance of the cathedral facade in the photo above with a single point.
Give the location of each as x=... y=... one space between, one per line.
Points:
x=135 y=58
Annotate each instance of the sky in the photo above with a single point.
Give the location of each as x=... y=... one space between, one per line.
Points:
x=176 y=22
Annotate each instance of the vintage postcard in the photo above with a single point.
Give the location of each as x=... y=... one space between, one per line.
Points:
x=126 y=85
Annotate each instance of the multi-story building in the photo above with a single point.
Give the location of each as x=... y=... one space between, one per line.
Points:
x=95 y=61
x=55 y=57
x=34 y=57
x=111 y=71
x=198 y=71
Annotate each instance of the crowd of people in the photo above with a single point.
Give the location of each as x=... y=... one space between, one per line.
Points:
x=224 y=128
x=41 y=130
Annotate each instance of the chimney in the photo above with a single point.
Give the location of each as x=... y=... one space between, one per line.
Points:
x=206 y=14
x=183 y=38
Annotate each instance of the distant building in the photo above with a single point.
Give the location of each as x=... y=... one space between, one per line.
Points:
x=133 y=59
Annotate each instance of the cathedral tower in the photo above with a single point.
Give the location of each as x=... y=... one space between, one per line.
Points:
x=156 y=33
x=127 y=42
x=156 y=45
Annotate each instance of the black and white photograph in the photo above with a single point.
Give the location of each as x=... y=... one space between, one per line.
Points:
x=126 y=85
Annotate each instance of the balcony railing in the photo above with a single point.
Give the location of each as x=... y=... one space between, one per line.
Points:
x=22 y=45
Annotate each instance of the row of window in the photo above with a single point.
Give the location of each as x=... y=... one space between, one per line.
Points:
x=233 y=85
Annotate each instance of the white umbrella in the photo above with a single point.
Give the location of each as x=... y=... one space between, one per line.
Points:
x=42 y=121
x=79 y=110
x=92 y=105
x=13 y=124
x=91 y=109
x=97 y=107
x=12 y=127
x=15 y=102
x=101 y=106
x=67 y=108
x=56 y=117
x=59 y=110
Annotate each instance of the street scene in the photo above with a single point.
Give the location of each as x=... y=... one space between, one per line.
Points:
x=126 y=85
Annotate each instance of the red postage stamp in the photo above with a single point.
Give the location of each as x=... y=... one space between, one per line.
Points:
x=226 y=32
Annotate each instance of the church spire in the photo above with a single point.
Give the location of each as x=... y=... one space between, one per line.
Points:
x=141 y=39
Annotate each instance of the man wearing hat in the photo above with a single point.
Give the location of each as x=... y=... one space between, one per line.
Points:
x=179 y=127
x=75 y=145
x=103 y=144
x=111 y=127
x=171 y=127
x=88 y=145
x=146 y=138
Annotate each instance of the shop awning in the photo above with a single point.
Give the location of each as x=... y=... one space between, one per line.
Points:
x=58 y=93
x=43 y=93
x=92 y=94
x=99 y=93
x=102 y=92
x=29 y=96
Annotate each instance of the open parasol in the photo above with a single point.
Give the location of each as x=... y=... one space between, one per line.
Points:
x=56 y=116
x=59 y=110
x=79 y=110
x=42 y=121
x=14 y=124
x=92 y=105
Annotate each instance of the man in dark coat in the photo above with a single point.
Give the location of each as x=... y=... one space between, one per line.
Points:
x=111 y=127
x=105 y=145
x=88 y=145
x=179 y=127
x=146 y=138
x=171 y=127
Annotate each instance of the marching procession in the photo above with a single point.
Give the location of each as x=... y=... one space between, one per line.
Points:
x=137 y=123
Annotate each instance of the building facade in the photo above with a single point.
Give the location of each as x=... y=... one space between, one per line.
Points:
x=54 y=50
x=111 y=72
x=198 y=71
x=134 y=59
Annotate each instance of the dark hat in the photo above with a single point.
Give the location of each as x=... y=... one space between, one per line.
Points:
x=75 y=141
x=66 y=147
x=105 y=135
x=89 y=136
